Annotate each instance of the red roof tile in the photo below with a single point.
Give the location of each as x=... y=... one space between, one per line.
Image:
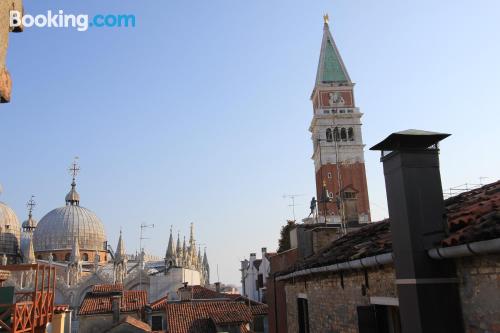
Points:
x=107 y=288
x=201 y=317
x=472 y=216
x=199 y=292
x=159 y=304
x=131 y=301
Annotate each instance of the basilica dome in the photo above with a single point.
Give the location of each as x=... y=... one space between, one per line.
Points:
x=61 y=227
x=10 y=231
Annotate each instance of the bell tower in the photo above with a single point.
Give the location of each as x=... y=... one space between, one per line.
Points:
x=338 y=149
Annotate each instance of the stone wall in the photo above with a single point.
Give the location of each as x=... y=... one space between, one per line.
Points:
x=480 y=292
x=332 y=308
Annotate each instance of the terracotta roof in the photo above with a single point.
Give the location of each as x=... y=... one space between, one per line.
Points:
x=159 y=304
x=130 y=321
x=199 y=292
x=131 y=301
x=58 y=308
x=107 y=288
x=472 y=216
x=201 y=317
x=256 y=308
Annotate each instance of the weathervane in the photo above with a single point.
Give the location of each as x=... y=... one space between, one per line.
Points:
x=75 y=168
x=31 y=204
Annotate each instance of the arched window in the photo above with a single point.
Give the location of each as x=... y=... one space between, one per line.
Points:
x=350 y=134
x=329 y=136
x=39 y=256
x=85 y=257
x=54 y=257
x=66 y=257
x=336 y=134
x=343 y=134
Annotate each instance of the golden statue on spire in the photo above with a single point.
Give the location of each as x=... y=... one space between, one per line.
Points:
x=326 y=18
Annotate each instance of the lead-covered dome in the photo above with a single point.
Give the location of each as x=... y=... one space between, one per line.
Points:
x=10 y=231
x=62 y=226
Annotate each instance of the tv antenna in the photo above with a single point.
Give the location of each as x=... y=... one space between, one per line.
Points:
x=141 y=250
x=292 y=198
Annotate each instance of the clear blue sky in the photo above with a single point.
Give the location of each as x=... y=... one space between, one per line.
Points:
x=201 y=113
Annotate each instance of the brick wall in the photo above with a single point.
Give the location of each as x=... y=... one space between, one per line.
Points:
x=480 y=292
x=332 y=308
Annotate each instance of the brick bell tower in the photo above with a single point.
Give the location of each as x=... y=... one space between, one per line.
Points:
x=341 y=186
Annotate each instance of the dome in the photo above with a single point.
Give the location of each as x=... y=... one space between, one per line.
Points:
x=29 y=224
x=61 y=226
x=10 y=230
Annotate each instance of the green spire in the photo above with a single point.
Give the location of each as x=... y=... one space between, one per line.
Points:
x=331 y=68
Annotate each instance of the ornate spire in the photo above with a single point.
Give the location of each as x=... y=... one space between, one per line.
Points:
x=170 y=254
x=178 y=248
x=331 y=68
x=120 y=249
x=29 y=256
x=206 y=267
x=184 y=251
x=73 y=198
x=75 y=252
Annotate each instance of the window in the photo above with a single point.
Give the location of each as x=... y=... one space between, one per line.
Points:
x=303 y=314
x=349 y=111
x=85 y=257
x=334 y=110
x=349 y=195
x=260 y=281
x=336 y=134
x=66 y=257
x=342 y=111
x=343 y=134
x=350 y=134
x=326 y=111
x=329 y=137
x=157 y=323
x=329 y=175
x=378 y=318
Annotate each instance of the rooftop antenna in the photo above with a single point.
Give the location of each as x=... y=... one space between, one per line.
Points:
x=141 y=250
x=292 y=197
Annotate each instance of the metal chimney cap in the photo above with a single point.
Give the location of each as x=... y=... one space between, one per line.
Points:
x=412 y=139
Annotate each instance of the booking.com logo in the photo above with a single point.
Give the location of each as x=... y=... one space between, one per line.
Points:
x=81 y=22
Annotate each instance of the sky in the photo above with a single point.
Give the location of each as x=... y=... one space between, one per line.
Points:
x=201 y=112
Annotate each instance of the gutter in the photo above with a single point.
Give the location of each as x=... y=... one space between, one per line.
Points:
x=469 y=249
x=381 y=259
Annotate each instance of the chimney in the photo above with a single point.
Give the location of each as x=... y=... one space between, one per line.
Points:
x=185 y=293
x=115 y=308
x=427 y=289
x=264 y=251
x=217 y=287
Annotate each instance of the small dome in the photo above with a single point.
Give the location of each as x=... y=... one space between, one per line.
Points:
x=10 y=230
x=29 y=224
x=61 y=226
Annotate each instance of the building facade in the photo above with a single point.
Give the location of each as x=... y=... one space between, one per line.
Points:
x=433 y=266
x=254 y=276
x=341 y=186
